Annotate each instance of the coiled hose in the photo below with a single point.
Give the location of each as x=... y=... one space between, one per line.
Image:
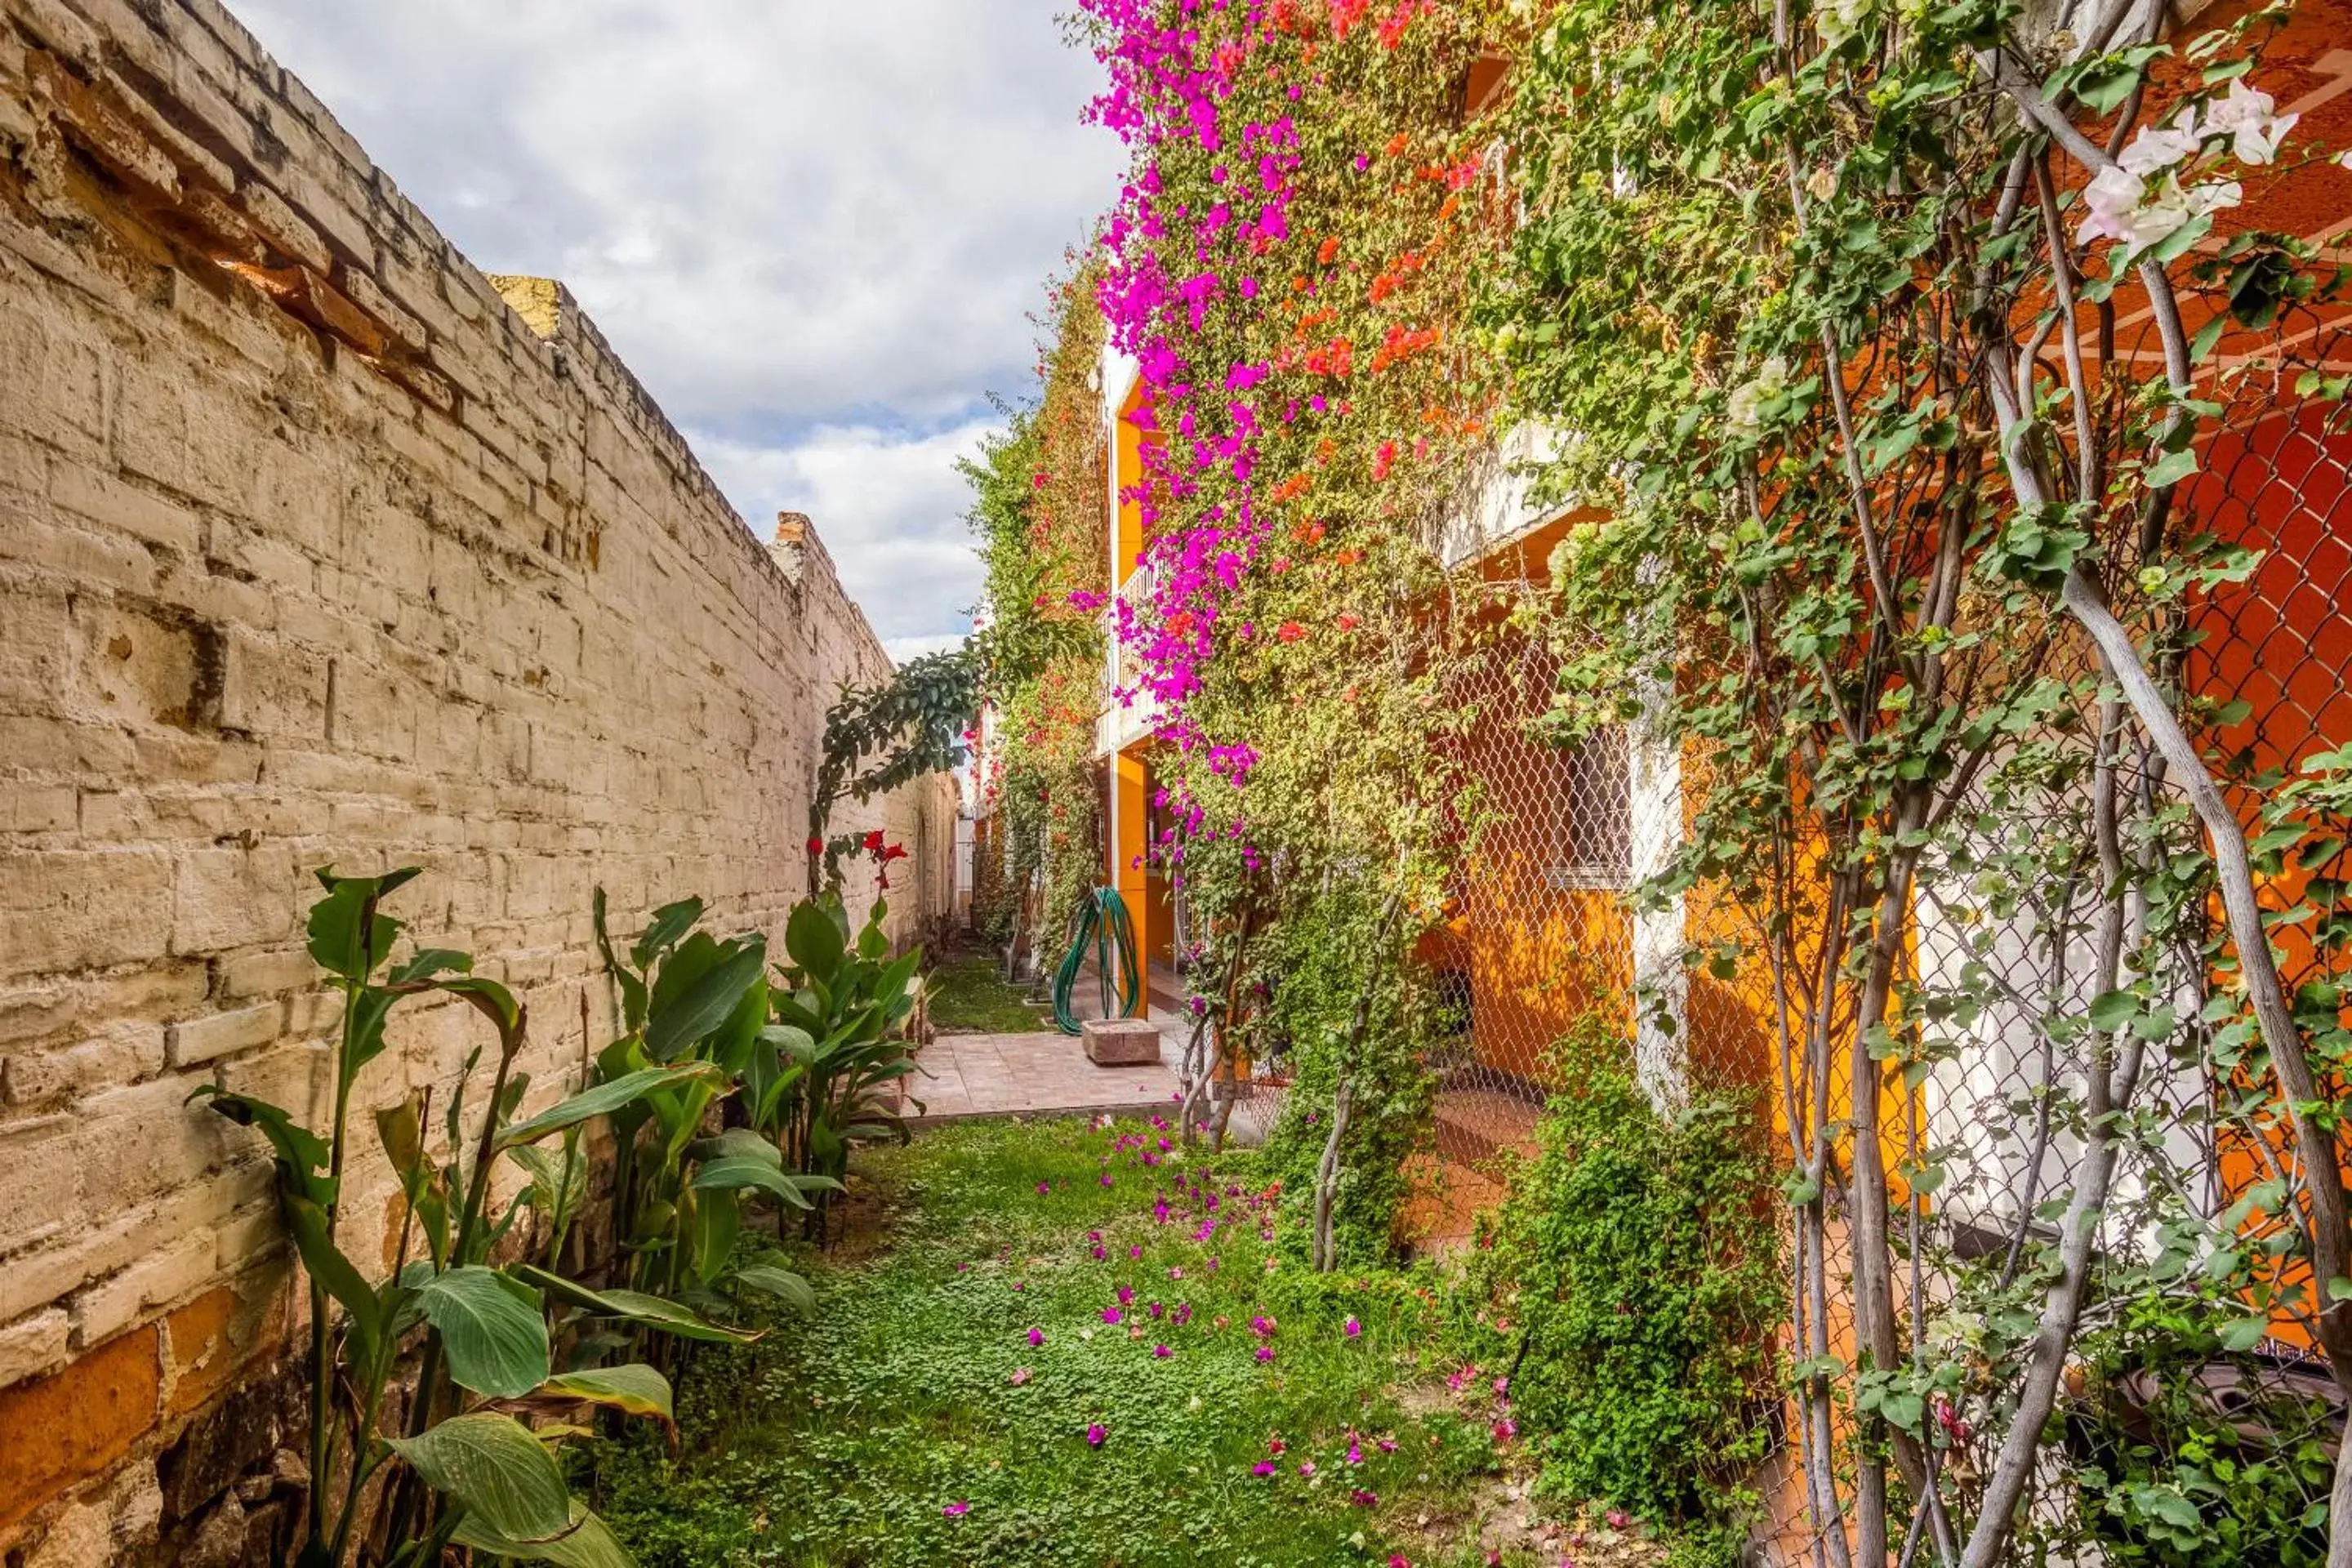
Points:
x=1102 y=922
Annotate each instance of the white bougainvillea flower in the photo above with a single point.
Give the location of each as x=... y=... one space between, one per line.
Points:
x=2251 y=121
x=2123 y=207
x=2111 y=198
x=2158 y=147
x=1838 y=20
x=1748 y=399
x=2168 y=207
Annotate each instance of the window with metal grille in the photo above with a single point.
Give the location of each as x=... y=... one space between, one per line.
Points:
x=1594 y=836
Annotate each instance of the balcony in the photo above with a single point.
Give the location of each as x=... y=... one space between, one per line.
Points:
x=1122 y=723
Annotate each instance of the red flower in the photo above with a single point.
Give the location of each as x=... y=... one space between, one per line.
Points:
x=1347 y=621
x=895 y=852
x=1289 y=631
x=1329 y=251
x=874 y=842
x=815 y=844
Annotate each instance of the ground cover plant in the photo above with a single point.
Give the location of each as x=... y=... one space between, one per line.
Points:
x=968 y=993
x=1079 y=1348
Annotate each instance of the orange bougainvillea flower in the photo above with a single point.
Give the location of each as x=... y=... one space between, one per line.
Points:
x=1289 y=631
x=1347 y=622
x=1350 y=556
x=1308 y=533
x=1328 y=251
x=1397 y=144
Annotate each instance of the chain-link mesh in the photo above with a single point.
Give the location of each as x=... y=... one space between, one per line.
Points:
x=1542 y=941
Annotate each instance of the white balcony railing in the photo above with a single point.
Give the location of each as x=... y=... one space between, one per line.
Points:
x=1125 y=722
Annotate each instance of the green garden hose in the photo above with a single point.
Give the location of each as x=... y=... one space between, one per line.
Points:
x=1103 y=921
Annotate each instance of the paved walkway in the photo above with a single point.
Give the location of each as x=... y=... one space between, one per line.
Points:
x=997 y=1075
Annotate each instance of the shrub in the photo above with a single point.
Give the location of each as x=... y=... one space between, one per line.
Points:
x=1638 y=1258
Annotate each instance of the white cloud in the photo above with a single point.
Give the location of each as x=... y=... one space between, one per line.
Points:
x=815 y=229
x=889 y=508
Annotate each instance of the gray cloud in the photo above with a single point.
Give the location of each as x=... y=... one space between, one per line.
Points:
x=815 y=229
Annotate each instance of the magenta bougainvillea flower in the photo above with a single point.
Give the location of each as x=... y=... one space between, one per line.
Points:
x=1263 y=1468
x=1111 y=1314
x=1162 y=1352
x=1037 y=1338
x=1306 y=1468
x=1045 y=1187
x=1355 y=1452
x=1506 y=1429
x=1351 y=1328
x=1363 y=1499
x=1265 y=1352
x=1126 y=1294
x=957 y=1508
x=1096 y=1433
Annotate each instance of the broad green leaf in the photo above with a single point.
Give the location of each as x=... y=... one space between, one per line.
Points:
x=587 y=1543
x=556 y=1181
x=491 y=1329
x=2111 y=1010
x=632 y=1305
x=717 y=1219
x=778 y=1282
x=336 y=1275
x=491 y=1000
x=2243 y=1333
x=734 y=1175
x=504 y=1476
x=426 y=963
x=364 y=1042
x=636 y=1389
x=815 y=942
x=606 y=1097
x=337 y=943
x=705 y=1003
x=669 y=923
x=2172 y=468
x=401 y=1130
x=301 y=1154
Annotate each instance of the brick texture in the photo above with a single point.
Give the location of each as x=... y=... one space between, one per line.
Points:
x=318 y=546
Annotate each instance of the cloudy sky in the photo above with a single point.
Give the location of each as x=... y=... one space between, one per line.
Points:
x=817 y=229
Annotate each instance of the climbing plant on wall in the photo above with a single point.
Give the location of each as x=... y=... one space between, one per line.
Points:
x=1040 y=507
x=1291 y=265
x=1838 y=304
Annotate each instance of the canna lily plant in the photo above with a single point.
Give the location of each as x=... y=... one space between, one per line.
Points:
x=699 y=1006
x=464 y=1467
x=822 y=1080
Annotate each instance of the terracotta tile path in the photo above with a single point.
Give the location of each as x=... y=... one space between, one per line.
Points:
x=997 y=1075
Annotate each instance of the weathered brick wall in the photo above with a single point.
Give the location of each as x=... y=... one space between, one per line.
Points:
x=316 y=544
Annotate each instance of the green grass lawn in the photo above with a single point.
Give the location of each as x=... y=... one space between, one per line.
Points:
x=913 y=1421
x=968 y=993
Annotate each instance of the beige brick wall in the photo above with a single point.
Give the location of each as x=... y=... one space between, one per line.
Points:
x=315 y=545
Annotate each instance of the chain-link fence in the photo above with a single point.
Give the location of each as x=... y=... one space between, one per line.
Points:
x=2015 y=1115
